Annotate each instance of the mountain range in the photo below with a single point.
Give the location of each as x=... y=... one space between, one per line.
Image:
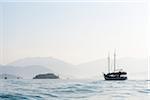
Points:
x=29 y=67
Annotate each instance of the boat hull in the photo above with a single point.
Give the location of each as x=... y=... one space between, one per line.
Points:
x=114 y=78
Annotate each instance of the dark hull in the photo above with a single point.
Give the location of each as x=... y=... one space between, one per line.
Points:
x=114 y=78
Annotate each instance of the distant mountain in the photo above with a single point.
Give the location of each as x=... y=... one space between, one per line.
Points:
x=59 y=67
x=29 y=67
x=93 y=68
x=136 y=68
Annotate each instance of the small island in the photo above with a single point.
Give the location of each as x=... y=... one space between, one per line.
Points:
x=46 y=76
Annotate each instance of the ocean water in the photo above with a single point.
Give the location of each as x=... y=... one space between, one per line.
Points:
x=74 y=90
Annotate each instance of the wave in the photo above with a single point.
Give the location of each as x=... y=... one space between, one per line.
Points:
x=72 y=89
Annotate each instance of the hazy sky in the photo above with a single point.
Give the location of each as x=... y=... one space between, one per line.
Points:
x=75 y=32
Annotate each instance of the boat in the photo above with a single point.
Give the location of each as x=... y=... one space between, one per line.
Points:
x=116 y=74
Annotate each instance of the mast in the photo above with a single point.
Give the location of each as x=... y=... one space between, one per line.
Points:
x=114 y=60
x=108 y=63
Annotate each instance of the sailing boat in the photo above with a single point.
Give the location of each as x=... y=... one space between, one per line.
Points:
x=116 y=75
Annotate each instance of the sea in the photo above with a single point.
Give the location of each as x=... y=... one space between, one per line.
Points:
x=57 y=89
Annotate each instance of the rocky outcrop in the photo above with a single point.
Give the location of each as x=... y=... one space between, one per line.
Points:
x=46 y=76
